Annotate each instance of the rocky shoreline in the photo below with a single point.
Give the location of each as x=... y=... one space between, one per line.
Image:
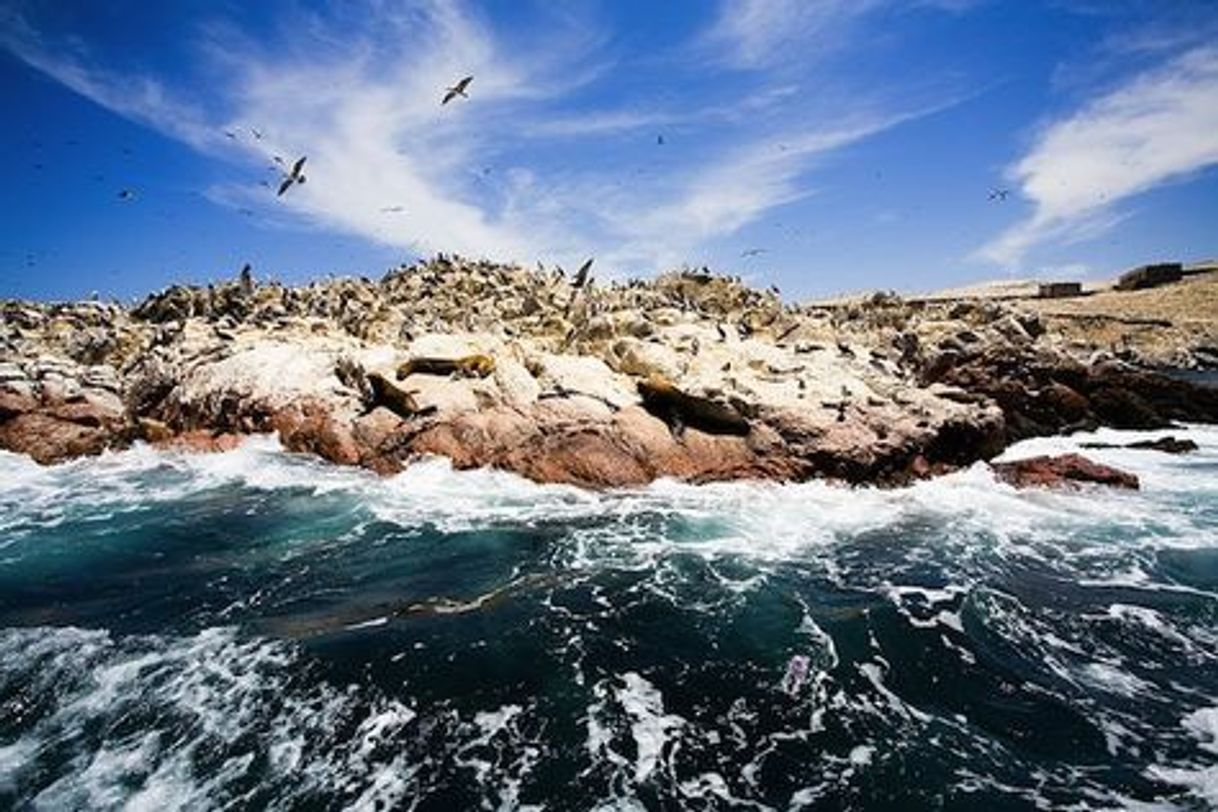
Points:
x=689 y=375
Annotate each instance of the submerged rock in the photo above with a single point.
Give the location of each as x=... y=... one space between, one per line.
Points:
x=1168 y=445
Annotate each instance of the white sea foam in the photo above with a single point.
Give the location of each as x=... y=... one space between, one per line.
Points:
x=217 y=699
x=219 y=684
x=757 y=520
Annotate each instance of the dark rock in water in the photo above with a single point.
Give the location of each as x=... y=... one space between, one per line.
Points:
x=1066 y=470
x=1125 y=409
x=1168 y=445
x=1042 y=393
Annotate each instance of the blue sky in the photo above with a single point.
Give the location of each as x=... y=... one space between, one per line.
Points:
x=854 y=142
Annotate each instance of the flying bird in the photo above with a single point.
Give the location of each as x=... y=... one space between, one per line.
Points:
x=295 y=176
x=1000 y=194
x=393 y=208
x=660 y=140
x=126 y=194
x=257 y=135
x=231 y=134
x=457 y=90
x=581 y=276
x=753 y=252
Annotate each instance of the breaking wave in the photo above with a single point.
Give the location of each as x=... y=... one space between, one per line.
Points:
x=257 y=629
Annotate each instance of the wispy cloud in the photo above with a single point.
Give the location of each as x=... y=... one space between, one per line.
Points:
x=386 y=161
x=1156 y=128
x=770 y=34
x=141 y=98
x=761 y=33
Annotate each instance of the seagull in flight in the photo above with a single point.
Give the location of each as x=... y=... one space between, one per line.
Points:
x=257 y=135
x=753 y=252
x=393 y=209
x=581 y=276
x=457 y=90
x=295 y=176
x=1000 y=194
x=126 y=194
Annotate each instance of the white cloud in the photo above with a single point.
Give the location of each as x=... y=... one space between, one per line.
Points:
x=754 y=34
x=1157 y=128
x=140 y=98
x=361 y=98
x=759 y=33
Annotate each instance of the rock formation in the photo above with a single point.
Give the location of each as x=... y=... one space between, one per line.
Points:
x=1066 y=470
x=689 y=375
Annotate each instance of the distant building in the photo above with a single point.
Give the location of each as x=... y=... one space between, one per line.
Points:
x=1151 y=276
x=1059 y=290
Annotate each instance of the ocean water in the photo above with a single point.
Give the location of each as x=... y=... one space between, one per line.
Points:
x=258 y=630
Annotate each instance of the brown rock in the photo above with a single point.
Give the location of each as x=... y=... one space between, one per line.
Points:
x=49 y=439
x=202 y=440
x=312 y=428
x=153 y=431
x=15 y=403
x=85 y=425
x=1066 y=470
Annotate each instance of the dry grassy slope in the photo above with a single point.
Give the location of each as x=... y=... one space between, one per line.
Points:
x=1133 y=319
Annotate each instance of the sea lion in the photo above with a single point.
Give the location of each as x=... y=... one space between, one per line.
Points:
x=393 y=398
x=680 y=409
x=471 y=366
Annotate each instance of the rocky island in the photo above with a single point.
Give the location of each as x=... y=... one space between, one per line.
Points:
x=689 y=375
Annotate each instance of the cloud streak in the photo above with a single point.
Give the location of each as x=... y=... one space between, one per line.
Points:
x=751 y=34
x=1157 y=128
x=361 y=96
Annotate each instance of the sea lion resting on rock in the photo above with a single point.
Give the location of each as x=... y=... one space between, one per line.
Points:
x=393 y=398
x=680 y=409
x=471 y=366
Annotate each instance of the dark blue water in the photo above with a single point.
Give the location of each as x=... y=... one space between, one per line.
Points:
x=252 y=630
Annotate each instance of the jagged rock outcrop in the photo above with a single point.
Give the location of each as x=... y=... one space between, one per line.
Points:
x=1043 y=392
x=495 y=365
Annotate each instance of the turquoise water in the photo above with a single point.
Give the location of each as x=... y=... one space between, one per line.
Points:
x=254 y=629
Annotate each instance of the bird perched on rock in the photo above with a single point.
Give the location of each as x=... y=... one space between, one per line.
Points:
x=581 y=276
x=247 y=280
x=295 y=176
x=457 y=90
